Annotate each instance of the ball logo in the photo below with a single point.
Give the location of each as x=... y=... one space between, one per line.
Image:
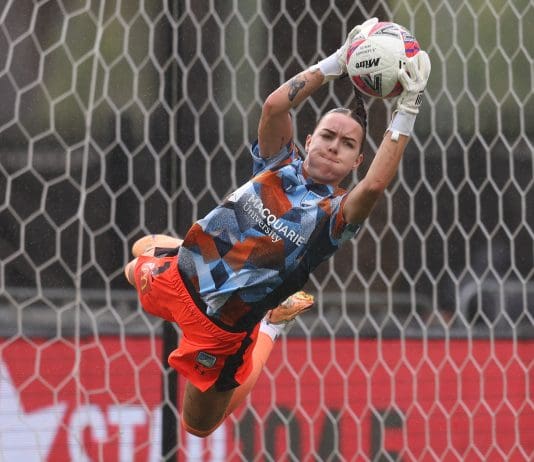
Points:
x=367 y=63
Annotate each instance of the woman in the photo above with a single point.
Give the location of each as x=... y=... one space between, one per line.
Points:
x=226 y=283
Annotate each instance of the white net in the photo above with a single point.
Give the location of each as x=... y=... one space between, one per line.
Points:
x=122 y=118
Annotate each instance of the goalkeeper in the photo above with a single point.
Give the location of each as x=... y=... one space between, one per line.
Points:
x=226 y=283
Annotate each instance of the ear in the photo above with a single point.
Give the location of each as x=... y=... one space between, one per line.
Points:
x=358 y=161
x=308 y=141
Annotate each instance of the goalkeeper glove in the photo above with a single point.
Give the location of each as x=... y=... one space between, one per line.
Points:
x=413 y=77
x=335 y=65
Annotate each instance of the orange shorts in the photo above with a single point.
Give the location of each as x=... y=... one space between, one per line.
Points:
x=207 y=355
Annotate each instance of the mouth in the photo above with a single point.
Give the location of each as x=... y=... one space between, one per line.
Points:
x=328 y=158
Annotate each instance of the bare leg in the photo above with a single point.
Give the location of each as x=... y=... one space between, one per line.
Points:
x=146 y=246
x=262 y=350
x=285 y=312
x=129 y=271
x=203 y=412
x=151 y=241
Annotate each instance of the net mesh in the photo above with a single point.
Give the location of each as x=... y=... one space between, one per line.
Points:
x=123 y=118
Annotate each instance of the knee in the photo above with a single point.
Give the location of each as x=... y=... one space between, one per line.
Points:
x=199 y=432
x=142 y=245
x=203 y=411
x=148 y=243
x=129 y=271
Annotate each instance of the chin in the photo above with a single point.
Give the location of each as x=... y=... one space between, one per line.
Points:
x=326 y=179
x=322 y=175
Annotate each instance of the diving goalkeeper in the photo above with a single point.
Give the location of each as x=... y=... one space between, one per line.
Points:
x=235 y=279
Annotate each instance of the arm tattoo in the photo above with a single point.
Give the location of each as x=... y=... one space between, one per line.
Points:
x=295 y=85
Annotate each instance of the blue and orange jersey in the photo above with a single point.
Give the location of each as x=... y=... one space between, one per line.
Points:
x=261 y=244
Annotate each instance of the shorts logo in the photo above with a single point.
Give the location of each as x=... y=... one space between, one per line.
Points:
x=146 y=277
x=148 y=271
x=205 y=359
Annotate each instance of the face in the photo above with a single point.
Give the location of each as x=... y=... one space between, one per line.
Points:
x=333 y=149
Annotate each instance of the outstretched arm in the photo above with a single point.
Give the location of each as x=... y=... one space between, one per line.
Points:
x=383 y=169
x=275 y=128
x=365 y=194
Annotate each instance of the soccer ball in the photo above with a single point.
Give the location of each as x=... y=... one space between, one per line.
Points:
x=375 y=57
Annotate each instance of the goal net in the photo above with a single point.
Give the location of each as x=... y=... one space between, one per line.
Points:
x=122 y=118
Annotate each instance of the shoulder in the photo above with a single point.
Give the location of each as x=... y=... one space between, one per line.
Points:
x=287 y=154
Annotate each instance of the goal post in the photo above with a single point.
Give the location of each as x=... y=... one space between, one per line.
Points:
x=122 y=118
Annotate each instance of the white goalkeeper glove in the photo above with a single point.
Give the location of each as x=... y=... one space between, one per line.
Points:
x=413 y=77
x=335 y=65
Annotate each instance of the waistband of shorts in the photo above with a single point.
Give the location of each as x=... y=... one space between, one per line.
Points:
x=191 y=290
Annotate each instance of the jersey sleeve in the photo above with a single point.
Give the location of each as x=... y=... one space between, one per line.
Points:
x=288 y=152
x=340 y=230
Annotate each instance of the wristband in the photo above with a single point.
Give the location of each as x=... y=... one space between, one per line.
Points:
x=401 y=124
x=329 y=67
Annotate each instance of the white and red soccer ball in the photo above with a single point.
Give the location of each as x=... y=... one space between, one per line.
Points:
x=375 y=57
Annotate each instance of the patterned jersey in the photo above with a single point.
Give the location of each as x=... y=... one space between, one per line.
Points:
x=261 y=244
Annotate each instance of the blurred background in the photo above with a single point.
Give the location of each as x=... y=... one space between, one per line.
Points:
x=126 y=118
x=123 y=118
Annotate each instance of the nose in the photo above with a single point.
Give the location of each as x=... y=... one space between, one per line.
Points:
x=333 y=145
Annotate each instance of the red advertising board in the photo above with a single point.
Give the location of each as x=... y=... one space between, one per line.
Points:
x=325 y=399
